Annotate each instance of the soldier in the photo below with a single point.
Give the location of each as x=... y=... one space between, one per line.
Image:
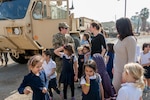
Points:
x=59 y=40
x=4 y=57
x=1 y=59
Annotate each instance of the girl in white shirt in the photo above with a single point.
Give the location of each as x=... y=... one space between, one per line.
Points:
x=69 y=71
x=133 y=82
x=91 y=84
x=49 y=67
x=145 y=62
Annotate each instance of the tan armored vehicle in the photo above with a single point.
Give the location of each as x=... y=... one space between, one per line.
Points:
x=27 y=26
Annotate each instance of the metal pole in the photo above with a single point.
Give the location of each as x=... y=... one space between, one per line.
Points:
x=138 y=25
x=125 y=8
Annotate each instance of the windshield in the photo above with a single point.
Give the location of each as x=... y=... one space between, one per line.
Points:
x=13 y=9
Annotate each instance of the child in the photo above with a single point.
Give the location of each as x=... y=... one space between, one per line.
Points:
x=36 y=80
x=49 y=67
x=92 y=88
x=86 y=52
x=145 y=62
x=109 y=91
x=80 y=62
x=109 y=59
x=85 y=39
x=133 y=84
x=69 y=71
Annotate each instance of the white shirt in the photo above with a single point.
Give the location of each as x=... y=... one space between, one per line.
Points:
x=129 y=91
x=83 y=81
x=48 y=68
x=69 y=57
x=145 y=58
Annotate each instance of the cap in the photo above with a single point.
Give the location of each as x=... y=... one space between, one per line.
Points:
x=64 y=25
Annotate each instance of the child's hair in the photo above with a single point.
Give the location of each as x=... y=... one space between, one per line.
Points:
x=91 y=63
x=80 y=48
x=87 y=47
x=69 y=48
x=87 y=36
x=34 y=60
x=110 y=47
x=137 y=72
x=145 y=45
x=47 y=53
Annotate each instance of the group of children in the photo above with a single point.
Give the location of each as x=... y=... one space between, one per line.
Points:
x=42 y=76
x=94 y=74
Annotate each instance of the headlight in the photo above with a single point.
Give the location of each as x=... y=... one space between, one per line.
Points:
x=17 y=31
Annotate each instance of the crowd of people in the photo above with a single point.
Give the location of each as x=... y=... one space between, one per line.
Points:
x=104 y=71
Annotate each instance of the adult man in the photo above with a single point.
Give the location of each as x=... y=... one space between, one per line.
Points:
x=60 y=39
x=4 y=57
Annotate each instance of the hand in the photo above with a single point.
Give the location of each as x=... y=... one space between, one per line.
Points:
x=44 y=90
x=27 y=91
x=87 y=79
x=75 y=78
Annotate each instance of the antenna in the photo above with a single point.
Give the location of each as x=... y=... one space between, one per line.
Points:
x=72 y=7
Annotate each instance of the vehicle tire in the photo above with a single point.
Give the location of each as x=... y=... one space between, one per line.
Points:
x=20 y=60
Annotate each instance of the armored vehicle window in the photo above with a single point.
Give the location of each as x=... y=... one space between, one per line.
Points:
x=13 y=9
x=58 y=12
x=37 y=12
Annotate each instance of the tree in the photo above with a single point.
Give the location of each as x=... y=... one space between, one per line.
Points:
x=144 y=16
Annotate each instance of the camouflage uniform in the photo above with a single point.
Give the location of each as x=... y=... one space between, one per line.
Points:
x=58 y=41
x=70 y=40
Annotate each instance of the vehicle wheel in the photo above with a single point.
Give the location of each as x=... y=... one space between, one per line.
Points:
x=20 y=60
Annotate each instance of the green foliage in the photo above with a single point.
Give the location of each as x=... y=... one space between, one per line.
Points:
x=144 y=13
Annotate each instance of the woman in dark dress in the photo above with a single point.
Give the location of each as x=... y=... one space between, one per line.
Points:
x=110 y=59
x=36 y=80
x=109 y=91
x=69 y=72
x=98 y=44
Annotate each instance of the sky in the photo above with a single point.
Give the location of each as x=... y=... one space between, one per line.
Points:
x=108 y=10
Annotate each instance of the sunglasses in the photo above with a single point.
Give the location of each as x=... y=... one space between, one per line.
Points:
x=66 y=28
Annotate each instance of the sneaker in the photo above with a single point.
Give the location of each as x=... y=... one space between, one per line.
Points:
x=113 y=98
x=73 y=98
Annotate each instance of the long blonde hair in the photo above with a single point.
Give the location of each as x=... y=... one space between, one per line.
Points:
x=137 y=72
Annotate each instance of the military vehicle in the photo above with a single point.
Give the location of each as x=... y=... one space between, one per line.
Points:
x=27 y=26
